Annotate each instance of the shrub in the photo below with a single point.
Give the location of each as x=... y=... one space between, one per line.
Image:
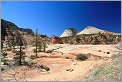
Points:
x=2 y=69
x=29 y=64
x=65 y=40
x=81 y=57
x=44 y=67
x=78 y=40
x=13 y=51
x=47 y=69
x=33 y=57
x=108 y=52
x=67 y=58
x=71 y=42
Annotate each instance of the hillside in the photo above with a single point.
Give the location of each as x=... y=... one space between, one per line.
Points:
x=10 y=30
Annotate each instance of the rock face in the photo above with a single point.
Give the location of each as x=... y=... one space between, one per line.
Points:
x=27 y=30
x=11 y=31
x=56 y=40
x=90 y=30
x=69 y=32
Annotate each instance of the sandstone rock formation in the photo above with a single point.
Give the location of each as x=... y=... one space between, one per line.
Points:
x=10 y=30
x=90 y=30
x=69 y=32
x=56 y=40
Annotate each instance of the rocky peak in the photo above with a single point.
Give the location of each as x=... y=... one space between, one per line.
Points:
x=90 y=30
x=90 y=27
x=69 y=32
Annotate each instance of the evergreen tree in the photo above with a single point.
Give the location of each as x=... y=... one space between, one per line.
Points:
x=20 y=55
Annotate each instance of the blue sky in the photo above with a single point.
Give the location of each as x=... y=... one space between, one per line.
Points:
x=52 y=18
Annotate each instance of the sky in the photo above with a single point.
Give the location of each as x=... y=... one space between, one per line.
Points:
x=52 y=18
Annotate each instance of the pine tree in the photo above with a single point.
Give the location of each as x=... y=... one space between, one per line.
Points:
x=20 y=55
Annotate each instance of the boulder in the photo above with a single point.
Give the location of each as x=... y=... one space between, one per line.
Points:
x=56 y=40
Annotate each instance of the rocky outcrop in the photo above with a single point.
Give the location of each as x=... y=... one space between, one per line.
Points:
x=90 y=30
x=99 y=38
x=11 y=31
x=90 y=35
x=69 y=32
x=27 y=30
x=56 y=40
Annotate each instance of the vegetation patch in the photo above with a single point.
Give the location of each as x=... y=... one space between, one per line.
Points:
x=2 y=69
x=33 y=57
x=109 y=71
x=81 y=57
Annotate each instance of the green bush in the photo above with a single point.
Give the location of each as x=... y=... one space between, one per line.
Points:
x=2 y=69
x=81 y=57
x=71 y=42
x=33 y=57
x=78 y=40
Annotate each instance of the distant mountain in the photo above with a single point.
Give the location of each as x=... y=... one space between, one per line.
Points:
x=87 y=30
x=69 y=32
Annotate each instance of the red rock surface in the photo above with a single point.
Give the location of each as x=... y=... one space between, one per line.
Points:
x=56 y=40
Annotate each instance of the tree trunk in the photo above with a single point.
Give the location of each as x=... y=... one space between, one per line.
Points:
x=44 y=46
x=36 y=42
x=20 y=55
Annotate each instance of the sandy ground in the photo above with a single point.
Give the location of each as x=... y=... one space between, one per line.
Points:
x=62 y=69
x=93 y=49
x=75 y=71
